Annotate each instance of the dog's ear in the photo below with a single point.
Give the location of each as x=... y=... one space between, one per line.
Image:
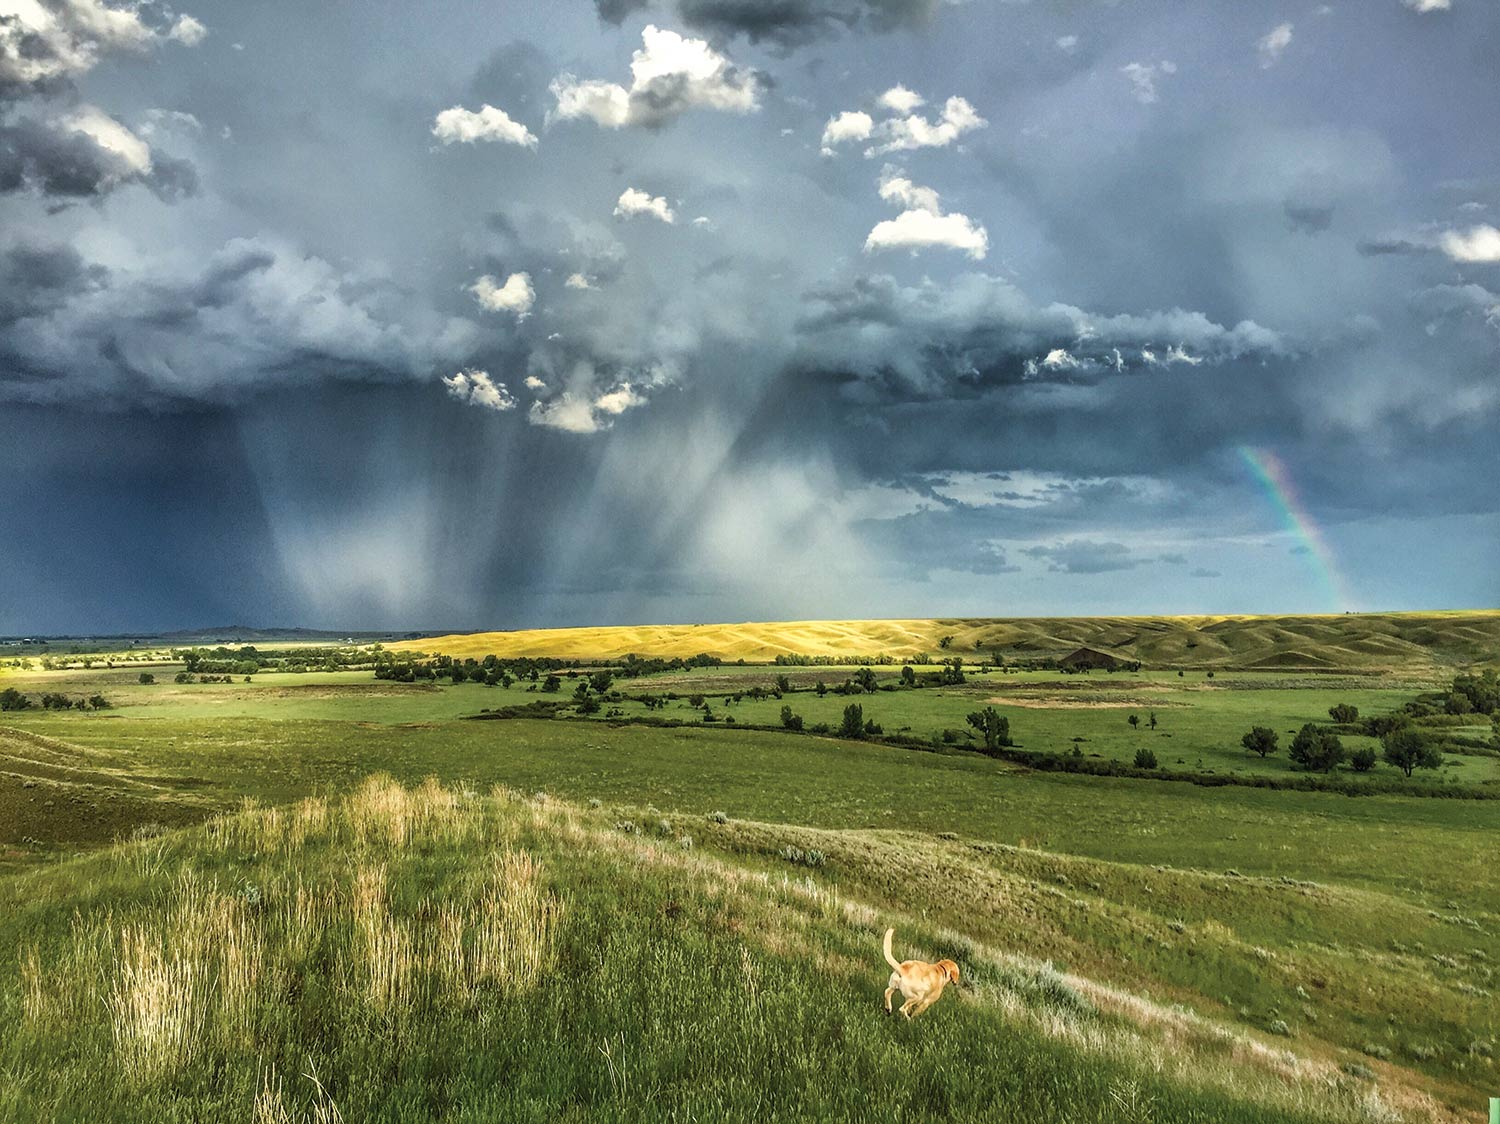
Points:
x=951 y=968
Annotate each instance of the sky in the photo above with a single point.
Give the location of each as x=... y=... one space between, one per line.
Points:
x=457 y=316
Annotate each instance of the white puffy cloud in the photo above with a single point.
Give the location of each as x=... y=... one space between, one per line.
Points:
x=516 y=295
x=66 y=38
x=1143 y=78
x=465 y=126
x=1067 y=43
x=850 y=125
x=582 y=395
x=905 y=130
x=633 y=202
x=1428 y=5
x=669 y=75
x=618 y=400
x=898 y=99
x=896 y=188
x=914 y=131
x=478 y=389
x=578 y=281
x=187 y=31
x=1273 y=43
x=923 y=223
x=1478 y=244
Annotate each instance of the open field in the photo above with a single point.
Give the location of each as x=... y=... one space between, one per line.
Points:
x=1199 y=720
x=1358 y=640
x=687 y=926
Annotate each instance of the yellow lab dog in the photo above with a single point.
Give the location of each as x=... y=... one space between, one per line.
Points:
x=919 y=982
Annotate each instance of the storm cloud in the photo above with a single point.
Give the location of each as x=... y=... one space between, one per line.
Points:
x=702 y=309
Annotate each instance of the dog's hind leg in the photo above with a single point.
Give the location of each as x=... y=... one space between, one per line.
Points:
x=888 y=993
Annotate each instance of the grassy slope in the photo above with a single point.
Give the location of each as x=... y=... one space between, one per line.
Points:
x=1345 y=641
x=434 y=955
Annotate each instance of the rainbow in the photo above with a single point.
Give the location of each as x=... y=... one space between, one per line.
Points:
x=1272 y=475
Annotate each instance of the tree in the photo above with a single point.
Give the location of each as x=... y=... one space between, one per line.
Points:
x=147 y=677
x=1363 y=759
x=1145 y=759
x=1316 y=750
x=783 y=684
x=1134 y=720
x=1260 y=739
x=1408 y=750
x=12 y=699
x=551 y=684
x=993 y=726
x=821 y=688
x=908 y=676
x=789 y=720
x=866 y=680
x=853 y=725
x=601 y=680
x=587 y=704
x=1152 y=720
x=1343 y=713
x=946 y=642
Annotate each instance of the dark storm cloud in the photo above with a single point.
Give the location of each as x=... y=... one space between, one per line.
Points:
x=254 y=316
x=980 y=331
x=71 y=164
x=786 y=23
x=36 y=280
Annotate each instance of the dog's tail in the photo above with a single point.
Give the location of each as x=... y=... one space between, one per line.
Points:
x=889 y=958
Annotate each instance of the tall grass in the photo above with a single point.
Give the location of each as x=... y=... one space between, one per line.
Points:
x=425 y=954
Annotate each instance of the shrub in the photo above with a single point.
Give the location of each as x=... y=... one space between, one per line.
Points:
x=12 y=699
x=789 y=720
x=1343 y=713
x=1363 y=759
x=146 y=677
x=1278 y=1026
x=798 y=857
x=718 y=817
x=853 y=725
x=1145 y=759
x=1316 y=750
x=1260 y=739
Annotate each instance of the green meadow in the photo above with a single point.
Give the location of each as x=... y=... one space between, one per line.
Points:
x=216 y=912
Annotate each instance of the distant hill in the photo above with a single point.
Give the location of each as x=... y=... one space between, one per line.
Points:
x=1358 y=640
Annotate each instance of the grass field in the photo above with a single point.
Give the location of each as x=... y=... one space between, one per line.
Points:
x=686 y=926
x=1357 y=640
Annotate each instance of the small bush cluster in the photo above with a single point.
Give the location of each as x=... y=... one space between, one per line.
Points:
x=798 y=857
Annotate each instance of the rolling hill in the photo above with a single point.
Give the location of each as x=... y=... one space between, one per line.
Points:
x=1358 y=640
x=430 y=954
